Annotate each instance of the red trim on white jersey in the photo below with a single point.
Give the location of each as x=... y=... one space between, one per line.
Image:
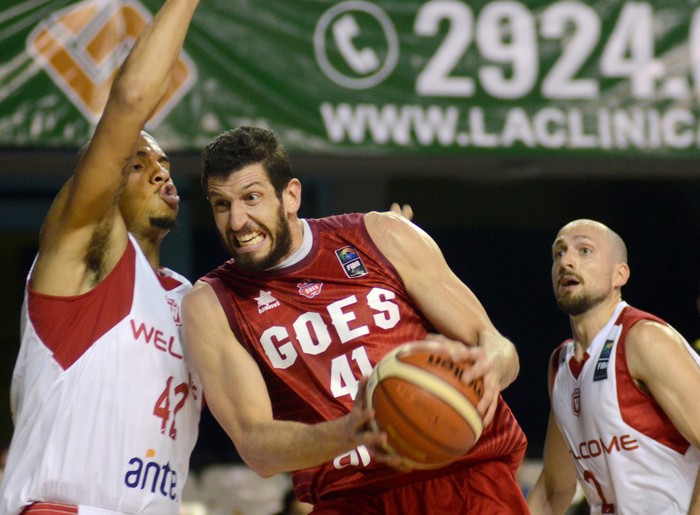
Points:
x=70 y=325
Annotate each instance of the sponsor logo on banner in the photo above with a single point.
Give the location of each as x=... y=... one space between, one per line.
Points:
x=345 y=56
x=82 y=46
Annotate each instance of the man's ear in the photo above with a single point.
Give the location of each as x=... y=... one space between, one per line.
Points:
x=622 y=275
x=291 y=196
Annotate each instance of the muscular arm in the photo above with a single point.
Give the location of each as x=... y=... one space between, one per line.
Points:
x=673 y=384
x=445 y=300
x=556 y=485
x=85 y=214
x=238 y=398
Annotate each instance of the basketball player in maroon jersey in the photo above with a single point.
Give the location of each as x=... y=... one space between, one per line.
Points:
x=283 y=334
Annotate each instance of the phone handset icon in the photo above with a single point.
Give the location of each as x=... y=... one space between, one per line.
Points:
x=362 y=61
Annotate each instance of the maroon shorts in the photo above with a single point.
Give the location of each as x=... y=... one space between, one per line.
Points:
x=487 y=488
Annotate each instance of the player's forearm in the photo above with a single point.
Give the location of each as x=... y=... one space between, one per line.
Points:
x=543 y=502
x=145 y=75
x=283 y=446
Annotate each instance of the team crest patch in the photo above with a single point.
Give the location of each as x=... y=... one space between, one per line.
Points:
x=576 y=402
x=309 y=289
x=266 y=301
x=350 y=260
x=174 y=310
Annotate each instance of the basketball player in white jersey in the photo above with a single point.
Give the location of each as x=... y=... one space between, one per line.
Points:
x=105 y=407
x=625 y=419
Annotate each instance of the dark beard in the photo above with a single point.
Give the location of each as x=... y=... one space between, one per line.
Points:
x=164 y=223
x=575 y=306
x=282 y=237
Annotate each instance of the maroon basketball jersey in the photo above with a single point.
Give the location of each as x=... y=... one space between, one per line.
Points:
x=316 y=327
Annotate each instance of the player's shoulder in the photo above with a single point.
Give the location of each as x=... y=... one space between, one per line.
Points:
x=385 y=226
x=201 y=292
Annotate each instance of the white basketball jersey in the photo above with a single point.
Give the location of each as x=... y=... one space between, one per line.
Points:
x=106 y=410
x=629 y=457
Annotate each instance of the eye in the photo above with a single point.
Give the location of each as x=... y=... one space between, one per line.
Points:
x=586 y=250
x=220 y=206
x=253 y=198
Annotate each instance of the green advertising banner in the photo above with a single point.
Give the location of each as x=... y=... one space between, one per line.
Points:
x=399 y=77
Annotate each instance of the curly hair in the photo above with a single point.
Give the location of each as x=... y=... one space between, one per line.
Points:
x=237 y=148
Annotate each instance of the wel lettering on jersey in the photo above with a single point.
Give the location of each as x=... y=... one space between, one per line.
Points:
x=158 y=338
x=594 y=448
x=310 y=334
x=149 y=475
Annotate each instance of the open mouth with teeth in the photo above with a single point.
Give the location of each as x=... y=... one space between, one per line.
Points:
x=250 y=240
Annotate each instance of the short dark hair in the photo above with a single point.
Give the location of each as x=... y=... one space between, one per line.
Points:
x=243 y=146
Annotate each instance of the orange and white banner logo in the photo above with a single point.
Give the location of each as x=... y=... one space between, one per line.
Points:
x=82 y=46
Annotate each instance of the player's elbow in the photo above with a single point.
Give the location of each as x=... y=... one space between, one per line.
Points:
x=255 y=461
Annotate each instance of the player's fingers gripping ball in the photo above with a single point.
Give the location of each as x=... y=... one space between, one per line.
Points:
x=420 y=401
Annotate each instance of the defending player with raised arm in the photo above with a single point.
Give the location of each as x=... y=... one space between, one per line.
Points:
x=283 y=334
x=625 y=420
x=101 y=369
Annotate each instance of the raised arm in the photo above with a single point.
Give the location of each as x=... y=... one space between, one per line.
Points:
x=449 y=305
x=84 y=234
x=238 y=398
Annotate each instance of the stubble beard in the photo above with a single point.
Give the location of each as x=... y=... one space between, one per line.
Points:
x=574 y=305
x=162 y=222
x=281 y=236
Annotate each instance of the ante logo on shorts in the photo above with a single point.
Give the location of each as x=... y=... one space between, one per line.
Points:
x=82 y=46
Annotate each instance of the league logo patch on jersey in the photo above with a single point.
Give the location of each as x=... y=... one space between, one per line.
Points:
x=350 y=260
x=601 y=367
x=309 y=289
x=266 y=301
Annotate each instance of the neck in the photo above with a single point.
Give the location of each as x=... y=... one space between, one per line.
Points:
x=151 y=249
x=586 y=326
x=297 y=229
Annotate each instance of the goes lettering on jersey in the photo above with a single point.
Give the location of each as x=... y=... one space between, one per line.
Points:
x=313 y=336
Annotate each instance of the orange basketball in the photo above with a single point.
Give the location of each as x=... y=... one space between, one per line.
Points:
x=420 y=401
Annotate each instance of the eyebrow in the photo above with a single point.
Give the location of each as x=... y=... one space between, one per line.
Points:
x=576 y=239
x=161 y=158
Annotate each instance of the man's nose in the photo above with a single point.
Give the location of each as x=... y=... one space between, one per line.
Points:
x=160 y=174
x=238 y=218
